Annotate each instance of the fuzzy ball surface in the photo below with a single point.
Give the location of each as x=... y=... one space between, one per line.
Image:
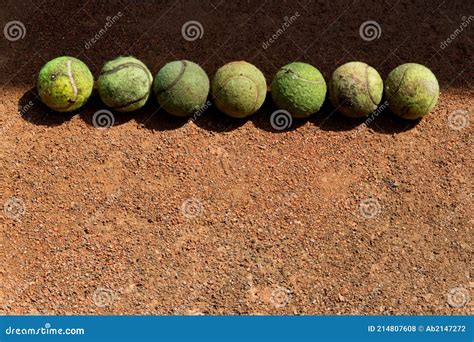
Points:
x=124 y=84
x=65 y=83
x=412 y=91
x=181 y=87
x=239 y=89
x=355 y=89
x=299 y=88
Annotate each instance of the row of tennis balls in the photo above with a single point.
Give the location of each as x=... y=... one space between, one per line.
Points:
x=239 y=88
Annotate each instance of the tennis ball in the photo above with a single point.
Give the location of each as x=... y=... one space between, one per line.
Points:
x=355 y=89
x=65 y=83
x=412 y=91
x=181 y=87
x=124 y=84
x=239 y=89
x=299 y=88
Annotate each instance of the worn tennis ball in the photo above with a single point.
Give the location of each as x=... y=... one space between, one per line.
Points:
x=412 y=91
x=181 y=87
x=65 y=83
x=239 y=89
x=355 y=89
x=124 y=84
x=299 y=88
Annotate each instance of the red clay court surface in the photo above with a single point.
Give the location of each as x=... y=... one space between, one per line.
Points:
x=158 y=215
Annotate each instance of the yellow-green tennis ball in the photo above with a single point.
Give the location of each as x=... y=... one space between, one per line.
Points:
x=412 y=91
x=124 y=84
x=239 y=89
x=181 y=87
x=65 y=83
x=355 y=89
x=299 y=88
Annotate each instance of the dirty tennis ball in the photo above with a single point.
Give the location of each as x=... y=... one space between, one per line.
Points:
x=412 y=91
x=181 y=87
x=355 y=89
x=239 y=89
x=124 y=84
x=299 y=88
x=65 y=83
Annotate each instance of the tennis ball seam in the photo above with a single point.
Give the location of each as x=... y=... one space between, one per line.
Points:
x=123 y=66
x=71 y=79
x=248 y=78
x=367 y=85
x=70 y=76
x=431 y=102
x=131 y=102
x=184 y=65
x=401 y=82
x=299 y=78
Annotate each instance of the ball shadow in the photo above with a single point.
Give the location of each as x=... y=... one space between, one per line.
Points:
x=95 y=105
x=329 y=119
x=388 y=123
x=279 y=123
x=33 y=110
x=212 y=119
x=153 y=117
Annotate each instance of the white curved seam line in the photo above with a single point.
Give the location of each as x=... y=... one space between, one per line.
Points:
x=71 y=78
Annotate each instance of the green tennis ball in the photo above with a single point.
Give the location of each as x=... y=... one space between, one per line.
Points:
x=355 y=89
x=181 y=87
x=239 y=89
x=299 y=88
x=65 y=83
x=412 y=91
x=124 y=84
